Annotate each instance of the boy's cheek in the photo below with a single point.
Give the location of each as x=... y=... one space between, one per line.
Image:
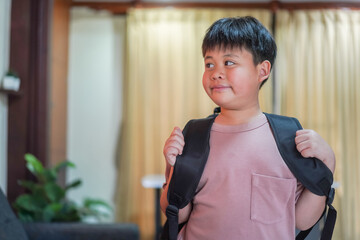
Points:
x=205 y=83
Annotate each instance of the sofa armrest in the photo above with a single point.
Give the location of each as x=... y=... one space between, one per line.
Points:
x=82 y=231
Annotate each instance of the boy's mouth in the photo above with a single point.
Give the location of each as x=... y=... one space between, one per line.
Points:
x=219 y=88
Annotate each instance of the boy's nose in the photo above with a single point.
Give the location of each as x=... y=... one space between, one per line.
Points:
x=217 y=75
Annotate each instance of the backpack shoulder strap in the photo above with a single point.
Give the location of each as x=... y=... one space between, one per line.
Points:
x=311 y=172
x=188 y=169
x=190 y=165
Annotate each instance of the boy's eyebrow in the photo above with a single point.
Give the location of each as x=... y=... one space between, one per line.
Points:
x=225 y=55
x=231 y=55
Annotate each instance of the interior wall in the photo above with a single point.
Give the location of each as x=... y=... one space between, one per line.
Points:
x=94 y=100
x=58 y=83
x=5 y=12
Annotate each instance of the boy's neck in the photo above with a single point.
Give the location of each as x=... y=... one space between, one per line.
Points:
x=236 y=117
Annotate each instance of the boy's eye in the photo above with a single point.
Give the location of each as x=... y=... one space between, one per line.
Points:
x=209 y=65
x=228 y=63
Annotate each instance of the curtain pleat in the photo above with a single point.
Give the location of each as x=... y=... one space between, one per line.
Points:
x=318 y=69
x=163 y=89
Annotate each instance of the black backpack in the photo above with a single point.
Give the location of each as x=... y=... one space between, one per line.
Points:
x=189 y=166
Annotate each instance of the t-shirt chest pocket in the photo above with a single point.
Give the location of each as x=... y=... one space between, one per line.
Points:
x=271 y=198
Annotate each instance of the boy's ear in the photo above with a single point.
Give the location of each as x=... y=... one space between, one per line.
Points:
x=265 y=68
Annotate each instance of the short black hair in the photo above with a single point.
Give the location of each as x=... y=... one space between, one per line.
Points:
x=241 y=32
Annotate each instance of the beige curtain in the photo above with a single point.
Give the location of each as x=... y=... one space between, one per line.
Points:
x=163 y=89
x=318 y=77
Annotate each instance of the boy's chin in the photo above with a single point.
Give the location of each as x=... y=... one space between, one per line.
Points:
x=222 y=103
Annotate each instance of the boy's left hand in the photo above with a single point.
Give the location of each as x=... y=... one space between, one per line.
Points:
x=310 y=144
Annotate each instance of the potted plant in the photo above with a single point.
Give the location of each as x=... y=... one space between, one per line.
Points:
x=47 y=201
x=47 y=213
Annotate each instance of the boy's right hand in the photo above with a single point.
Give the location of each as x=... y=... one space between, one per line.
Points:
x=174 y=146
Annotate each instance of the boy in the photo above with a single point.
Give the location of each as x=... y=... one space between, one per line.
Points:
x=246 y=190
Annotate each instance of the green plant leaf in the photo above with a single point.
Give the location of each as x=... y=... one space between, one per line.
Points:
x=34 y=165
x=31 y=203
x=54 y=192
x=49 y=175
x=64 y=164
x=30 y=185
x=68 y=213
x=74 y=184
x=95 y=208
x=25 y=216
x=51 y=211
x=90 y=203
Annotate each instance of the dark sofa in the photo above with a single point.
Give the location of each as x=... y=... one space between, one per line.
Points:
x=12 y=229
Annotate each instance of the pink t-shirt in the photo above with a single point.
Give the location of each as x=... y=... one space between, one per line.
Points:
x=246 y=190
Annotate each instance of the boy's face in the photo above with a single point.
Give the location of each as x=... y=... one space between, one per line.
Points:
x=231 y=79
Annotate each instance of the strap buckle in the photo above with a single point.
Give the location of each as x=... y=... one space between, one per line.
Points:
x=172 y=211
x=331 y=196
x=217 y=110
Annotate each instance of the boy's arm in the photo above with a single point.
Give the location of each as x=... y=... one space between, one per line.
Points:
x=309 y=206
x=173 y=147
